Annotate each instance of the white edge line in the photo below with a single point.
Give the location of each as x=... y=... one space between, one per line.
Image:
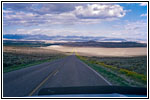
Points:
x=96 y=73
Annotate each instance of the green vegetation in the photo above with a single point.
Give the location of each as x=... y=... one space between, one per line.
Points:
x=106 y=44
x=136 y=64
x=21 y=59
x=119 y=75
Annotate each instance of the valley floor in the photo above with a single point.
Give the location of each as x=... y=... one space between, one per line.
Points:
x=99 y=51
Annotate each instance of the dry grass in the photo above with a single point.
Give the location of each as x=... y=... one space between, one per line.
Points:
x=29 y=50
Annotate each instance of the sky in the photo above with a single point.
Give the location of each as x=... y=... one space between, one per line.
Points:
x=117 y=20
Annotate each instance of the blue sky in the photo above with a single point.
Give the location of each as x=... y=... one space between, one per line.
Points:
x=119 y=20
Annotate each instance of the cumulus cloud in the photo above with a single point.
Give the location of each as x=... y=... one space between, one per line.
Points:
x=99 y=11
x=143 y=4
x=36 y=14
x=143 y=15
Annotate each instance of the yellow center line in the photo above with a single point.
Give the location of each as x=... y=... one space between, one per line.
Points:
x=55 y=73
x=34 y=90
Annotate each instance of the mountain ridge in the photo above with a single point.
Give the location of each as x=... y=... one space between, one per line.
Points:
x=61 y=38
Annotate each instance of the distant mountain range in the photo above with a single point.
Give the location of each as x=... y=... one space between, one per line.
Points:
x=105 y=44
x=75 y=41
x=62 y=38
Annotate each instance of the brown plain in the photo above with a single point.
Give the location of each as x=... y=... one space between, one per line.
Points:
x=29 y=50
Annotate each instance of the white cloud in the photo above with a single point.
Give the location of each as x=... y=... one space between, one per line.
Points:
x=142 y=15
x=85 y=14
x=20 y=29
x=7 y=11
x=100 y=11
x=134 y=26
x=143 y=4
x=136 y=30
x=126 y=29
x=130 y=29
x=52 y=32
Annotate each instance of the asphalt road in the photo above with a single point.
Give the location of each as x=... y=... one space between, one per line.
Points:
x=66 y=72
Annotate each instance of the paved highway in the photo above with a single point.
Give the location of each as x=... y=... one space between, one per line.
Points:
x=66 y=72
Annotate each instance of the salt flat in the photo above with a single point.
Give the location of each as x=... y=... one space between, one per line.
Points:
x=100 y=51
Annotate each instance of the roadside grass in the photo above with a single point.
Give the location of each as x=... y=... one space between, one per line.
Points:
x=136 y=64
x=17 y=57
x=117 y=76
